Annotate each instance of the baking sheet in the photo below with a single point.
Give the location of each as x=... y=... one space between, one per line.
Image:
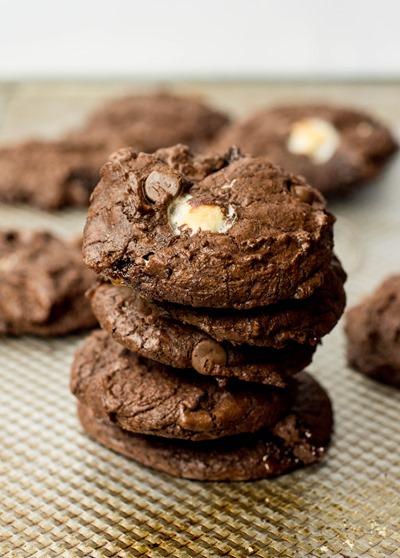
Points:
x=62 y=494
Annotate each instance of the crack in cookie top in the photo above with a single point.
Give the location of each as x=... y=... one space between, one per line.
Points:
x=216 y=231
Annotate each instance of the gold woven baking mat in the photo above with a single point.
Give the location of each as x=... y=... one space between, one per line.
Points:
x=62 y=494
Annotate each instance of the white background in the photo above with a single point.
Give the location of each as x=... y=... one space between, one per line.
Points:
x=203 y=39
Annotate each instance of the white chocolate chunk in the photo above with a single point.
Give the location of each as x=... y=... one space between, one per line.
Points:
x=316 y=138
x=205 y=217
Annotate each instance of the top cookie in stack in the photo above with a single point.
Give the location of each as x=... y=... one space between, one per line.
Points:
x=224 y=265
x=222 y=232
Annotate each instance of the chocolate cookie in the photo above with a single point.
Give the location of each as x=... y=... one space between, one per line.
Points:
x=141 y=327
x=303 y=321
x=162 y=222
x=143 y=396
x=300 y=438
x=42 y=285
x=52 y=174
x=373 y=333
x=49 y=174
x=149 y=121
x=333 y=147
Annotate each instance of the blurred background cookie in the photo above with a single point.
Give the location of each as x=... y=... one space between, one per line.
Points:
x=373 y=333
x=52 y=174
x=42 y=285
x=333 y=147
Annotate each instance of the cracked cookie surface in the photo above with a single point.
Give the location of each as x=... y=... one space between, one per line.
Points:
x=143 y=396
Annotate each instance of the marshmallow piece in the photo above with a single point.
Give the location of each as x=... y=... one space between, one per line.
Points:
x=200 y=216
x=316 y=138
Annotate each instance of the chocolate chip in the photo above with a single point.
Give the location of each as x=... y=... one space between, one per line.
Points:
x=305 y=193
x=207 y=354
x=161 y=186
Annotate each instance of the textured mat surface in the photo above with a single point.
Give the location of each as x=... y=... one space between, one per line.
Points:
x=61 y=494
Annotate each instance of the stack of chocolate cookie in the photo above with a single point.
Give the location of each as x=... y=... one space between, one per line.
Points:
x=218 y=281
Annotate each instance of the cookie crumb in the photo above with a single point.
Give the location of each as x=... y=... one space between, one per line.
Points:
x=382 y=532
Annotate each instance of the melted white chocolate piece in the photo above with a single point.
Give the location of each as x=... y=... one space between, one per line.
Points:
x=205 y=217
x=316 y=138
